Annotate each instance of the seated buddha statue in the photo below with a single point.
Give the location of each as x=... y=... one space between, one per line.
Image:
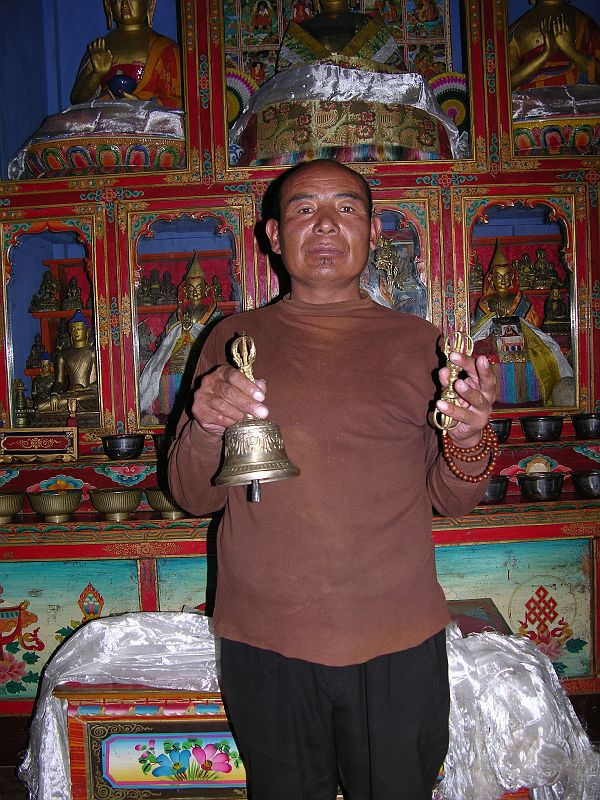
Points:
x=554 y=60
x=127 y=104
x=75 y=386
x=133 y=49
x=527 y=360
x=162 y=375
x=341 y=90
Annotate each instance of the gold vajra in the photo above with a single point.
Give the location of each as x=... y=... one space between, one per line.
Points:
x=457 y=342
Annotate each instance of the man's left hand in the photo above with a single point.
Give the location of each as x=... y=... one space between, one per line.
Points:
x=476 y=392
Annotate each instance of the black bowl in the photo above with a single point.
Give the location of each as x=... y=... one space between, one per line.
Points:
x=162 y=442
x=496 y=490
x=501 y=428
x=120 y=83
x=541 y=429
x=587 y=482
x=541 y=485
x=123 y=445
x=587 y=426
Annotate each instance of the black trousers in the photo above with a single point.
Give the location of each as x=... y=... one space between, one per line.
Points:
x=379 y=729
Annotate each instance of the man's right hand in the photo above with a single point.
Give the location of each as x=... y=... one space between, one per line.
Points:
x=224 y=396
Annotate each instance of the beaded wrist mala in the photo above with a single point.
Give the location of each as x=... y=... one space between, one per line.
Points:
x=487 y=448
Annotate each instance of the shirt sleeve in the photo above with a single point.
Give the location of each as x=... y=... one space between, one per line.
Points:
x=195 y=456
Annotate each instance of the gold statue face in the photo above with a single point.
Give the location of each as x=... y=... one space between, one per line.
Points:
x=129 y=11
x=197 y=288
x=78 y=333
x=502 y=278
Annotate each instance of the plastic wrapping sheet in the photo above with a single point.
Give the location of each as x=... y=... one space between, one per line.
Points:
x=512 y=724
x=549 y=102
x=338 y=84
x=122 y=117
x=160 y=649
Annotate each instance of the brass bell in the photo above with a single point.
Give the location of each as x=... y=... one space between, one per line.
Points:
x=253 y=448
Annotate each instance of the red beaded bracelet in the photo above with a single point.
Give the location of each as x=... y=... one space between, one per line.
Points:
x=487 y=447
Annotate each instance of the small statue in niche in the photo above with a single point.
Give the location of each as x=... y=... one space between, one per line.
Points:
x=155 y=283
x=217 y=290
x=47 y=297
x=556 y=312
x=476 y=276
x=72 y=299
x=544 y=273
x=168 y=290
x=37 y=348
x=41 y=385
x=21 y=406
x=143 y=296
x=62 y=336
x=524 y=270
x=75 y=386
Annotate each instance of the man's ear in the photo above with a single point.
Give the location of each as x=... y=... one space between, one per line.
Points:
x=375 y=231
x=272 y=230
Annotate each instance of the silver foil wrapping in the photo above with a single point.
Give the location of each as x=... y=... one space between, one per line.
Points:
x=103 y=118
x=511 y=723
x=554 y=102
x=338 y=84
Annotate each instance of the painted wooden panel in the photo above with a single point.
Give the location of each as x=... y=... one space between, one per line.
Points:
x=182 y=582
x=542 y=588
x=42 y=604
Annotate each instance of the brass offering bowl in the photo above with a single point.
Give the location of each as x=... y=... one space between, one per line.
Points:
x=161 y=500
x=115 y=504
x=123 y=445
x=587 y=426
x=501 y=427
x=10 y=504
x=55 y=505
x=541 y=485
x=586 y=482
x=541 y=429
x=496 y=489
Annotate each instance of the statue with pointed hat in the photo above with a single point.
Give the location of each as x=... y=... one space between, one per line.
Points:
x=161 y=377
x=528 y=361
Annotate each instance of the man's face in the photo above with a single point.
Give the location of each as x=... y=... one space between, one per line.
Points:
x=324 y=233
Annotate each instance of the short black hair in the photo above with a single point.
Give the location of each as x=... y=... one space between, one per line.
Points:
x=272 y=201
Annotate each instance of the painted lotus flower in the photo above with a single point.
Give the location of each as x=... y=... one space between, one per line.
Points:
x=534 y=463
x=211 y=759
x=60 y=483
x=126 y=474
x=173 y=763
x=11 y=669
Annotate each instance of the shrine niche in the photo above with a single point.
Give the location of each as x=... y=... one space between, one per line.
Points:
x=396 y=273
x=553 y=54
x=367 y=82
x=186 y=277
x=53 y=372
x=522 y=303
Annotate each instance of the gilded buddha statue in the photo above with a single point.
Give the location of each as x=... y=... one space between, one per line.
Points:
x=75 y=386
x=133 y=49
x=127 y=104
x=341 y=90
x=554 y=60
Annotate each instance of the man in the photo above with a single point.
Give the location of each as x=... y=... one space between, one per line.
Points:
x=332 y=621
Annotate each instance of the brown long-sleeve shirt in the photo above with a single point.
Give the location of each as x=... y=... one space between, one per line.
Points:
x=336 y=566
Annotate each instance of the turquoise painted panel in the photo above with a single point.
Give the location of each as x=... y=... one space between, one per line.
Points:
x=543 y=589
x=42 y=603
x=183 y=583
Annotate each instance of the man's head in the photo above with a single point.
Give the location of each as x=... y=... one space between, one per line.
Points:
x=322 y=226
